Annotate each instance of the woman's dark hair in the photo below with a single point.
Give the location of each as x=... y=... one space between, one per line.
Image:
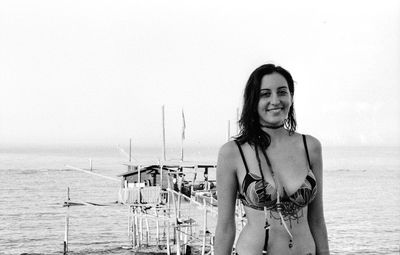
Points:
x=250 y=129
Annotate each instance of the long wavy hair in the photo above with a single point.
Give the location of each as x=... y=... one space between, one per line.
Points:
x=249 y=124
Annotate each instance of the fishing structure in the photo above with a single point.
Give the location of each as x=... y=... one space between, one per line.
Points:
x=167 y=211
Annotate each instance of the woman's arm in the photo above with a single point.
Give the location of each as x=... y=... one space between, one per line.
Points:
x=226 y=195
x=315 y=209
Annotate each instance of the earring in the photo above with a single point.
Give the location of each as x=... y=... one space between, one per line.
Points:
x=286 y=122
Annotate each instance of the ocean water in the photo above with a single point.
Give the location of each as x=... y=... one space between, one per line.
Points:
x=361 y=198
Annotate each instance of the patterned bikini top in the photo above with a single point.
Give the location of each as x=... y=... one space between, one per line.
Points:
x=253 y=195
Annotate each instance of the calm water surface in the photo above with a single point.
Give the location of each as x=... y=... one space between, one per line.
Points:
x=361 y=196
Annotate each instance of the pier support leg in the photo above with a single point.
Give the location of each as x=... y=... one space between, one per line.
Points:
x=134 y=226
x=147 y=231
x=157 y=229
x=66 y=225
x=176 y=226
x=203 y=248
x=140 y=227
x=168 y=238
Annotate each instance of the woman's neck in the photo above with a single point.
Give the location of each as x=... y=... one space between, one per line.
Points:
x=276 y=134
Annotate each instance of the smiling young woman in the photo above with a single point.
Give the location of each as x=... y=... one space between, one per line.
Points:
x=276 y=173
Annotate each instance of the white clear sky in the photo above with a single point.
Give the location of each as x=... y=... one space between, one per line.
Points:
x=98 y=71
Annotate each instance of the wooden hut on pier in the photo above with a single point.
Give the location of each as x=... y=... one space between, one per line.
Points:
x=142 y=175
x=146 y=176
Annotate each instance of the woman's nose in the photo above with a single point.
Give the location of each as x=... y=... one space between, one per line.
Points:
x=274 y=99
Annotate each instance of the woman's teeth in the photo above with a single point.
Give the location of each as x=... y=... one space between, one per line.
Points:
x=274 y=110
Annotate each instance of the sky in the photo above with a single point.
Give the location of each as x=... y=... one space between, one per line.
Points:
x=98 y=72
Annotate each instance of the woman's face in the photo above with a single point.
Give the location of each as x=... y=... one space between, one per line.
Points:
x=275 y=100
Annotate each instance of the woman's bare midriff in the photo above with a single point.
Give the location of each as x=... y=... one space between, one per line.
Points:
x=251 y=238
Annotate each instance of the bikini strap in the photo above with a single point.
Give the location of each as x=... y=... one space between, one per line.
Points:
x=305 y=146
x=241 y=154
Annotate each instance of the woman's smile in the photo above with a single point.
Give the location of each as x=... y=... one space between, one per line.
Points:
x=275 y=110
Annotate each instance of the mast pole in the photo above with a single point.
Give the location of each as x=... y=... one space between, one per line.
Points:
x=163 y=133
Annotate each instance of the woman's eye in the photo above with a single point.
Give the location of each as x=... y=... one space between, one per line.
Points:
x=282 y=92
x=265 y=94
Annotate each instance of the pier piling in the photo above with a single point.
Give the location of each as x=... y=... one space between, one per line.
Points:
x=66 y=225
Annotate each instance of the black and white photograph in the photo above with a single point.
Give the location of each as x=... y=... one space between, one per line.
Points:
x=199 y=127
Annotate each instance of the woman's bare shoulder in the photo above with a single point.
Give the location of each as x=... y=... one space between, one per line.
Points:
x=228 y=150
x=314 y=145
x=315 y=151
x=227 y=156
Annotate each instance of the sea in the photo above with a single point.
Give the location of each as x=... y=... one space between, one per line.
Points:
x=361 y=198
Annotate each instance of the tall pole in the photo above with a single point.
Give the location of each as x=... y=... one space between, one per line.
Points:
x=182 y=150
x=163 y=134
x=139 y=179
x=130 y=149
x=161 y=174
x=183 y=133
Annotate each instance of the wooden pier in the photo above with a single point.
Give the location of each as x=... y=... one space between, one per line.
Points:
x=168 y=212
x=160 y=216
